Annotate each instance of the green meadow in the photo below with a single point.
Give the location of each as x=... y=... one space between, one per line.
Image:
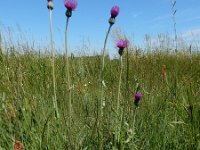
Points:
x=144 y=98
x=168 y=116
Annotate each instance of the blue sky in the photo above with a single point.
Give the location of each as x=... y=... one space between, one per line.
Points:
x=89 y=22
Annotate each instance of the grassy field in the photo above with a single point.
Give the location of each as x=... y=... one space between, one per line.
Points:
x=168 y=116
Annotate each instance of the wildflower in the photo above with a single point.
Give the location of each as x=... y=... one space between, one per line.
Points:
x=121 y=44
x=70 y=5
x=50 y=4
x=114 y=13
x=137 y=97
x=18 y=145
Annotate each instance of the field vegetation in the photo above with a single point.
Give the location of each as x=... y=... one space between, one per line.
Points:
x=142 y=98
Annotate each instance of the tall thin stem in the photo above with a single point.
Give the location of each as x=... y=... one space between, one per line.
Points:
x=53 y=65
x=119 y=87
x=102 y=87
x=66 y=38
x=104 y=48
x=118 y=120
x=67 y=66
x=102 y=70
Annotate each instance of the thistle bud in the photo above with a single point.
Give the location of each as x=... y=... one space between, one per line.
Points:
x=68 y=13
x=50 y=4
x=111 y=21
x=114 y=11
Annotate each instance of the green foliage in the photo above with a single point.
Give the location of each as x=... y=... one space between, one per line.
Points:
x=168 y=116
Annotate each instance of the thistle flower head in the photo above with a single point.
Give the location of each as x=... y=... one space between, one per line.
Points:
x=114 y=11
x=70 y=4
x=121 y=44
x=138 y=96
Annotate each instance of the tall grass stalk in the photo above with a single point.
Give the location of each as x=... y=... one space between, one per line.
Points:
x=53 y=64
x=173 y=3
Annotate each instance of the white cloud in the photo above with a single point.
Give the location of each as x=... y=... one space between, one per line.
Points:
x=161 y=18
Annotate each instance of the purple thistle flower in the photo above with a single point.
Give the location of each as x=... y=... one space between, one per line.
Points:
x=138 y=97
x=70 y=4
x=121 y=44
x=114 y=11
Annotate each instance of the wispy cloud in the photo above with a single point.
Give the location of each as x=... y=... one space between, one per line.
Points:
x=161 y=18
x=135 y=15
x=181 y=16
x=189 y=19
x=187 y=15
x=191 y=33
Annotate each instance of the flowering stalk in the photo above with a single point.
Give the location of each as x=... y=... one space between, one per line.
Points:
x=137 y=98
x=121 y=44
x=50 y=7
x=102 y=88
x=114 y=13
x=67 y=67
x=70 y=5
